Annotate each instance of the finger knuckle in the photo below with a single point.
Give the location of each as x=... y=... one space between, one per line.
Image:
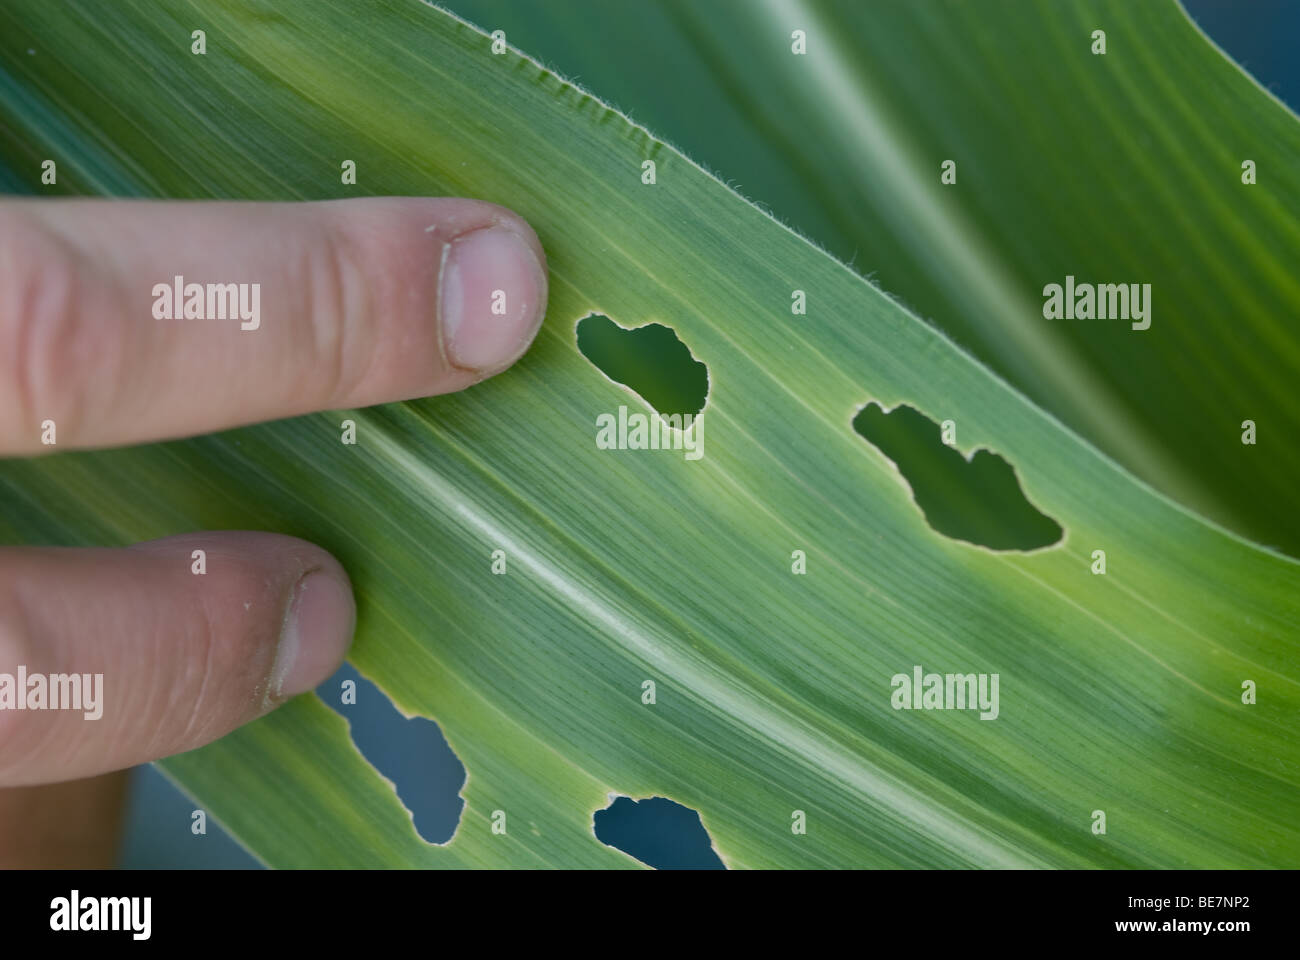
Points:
x=222 y=674
x=53 y=348
x=337 y=315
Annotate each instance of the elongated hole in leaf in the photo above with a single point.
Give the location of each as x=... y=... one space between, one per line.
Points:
x=412 y=753
x=661 y=833
x=650 y=360
x=977 y=500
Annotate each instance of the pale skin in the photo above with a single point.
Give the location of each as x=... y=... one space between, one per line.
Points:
x=362 y=302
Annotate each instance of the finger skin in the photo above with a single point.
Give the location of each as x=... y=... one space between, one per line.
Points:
x=184 y=657
x=359 y=302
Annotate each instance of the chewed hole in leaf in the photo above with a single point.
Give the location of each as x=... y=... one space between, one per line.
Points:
x=650 y=360
x=412 y=753
x=659 y=832
x=977 y=500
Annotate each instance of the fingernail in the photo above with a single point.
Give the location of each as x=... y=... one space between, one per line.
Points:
x=316 y=635
x=493 y=291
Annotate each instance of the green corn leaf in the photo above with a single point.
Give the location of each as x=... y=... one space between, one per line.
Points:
x=1112 y=168
x=1119 y=692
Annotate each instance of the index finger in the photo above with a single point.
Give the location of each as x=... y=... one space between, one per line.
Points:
x=129 y=321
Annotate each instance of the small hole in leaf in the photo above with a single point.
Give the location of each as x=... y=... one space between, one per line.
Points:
x=648 y=360
x=412 y=753
x=658 y=832
x=977 y=500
